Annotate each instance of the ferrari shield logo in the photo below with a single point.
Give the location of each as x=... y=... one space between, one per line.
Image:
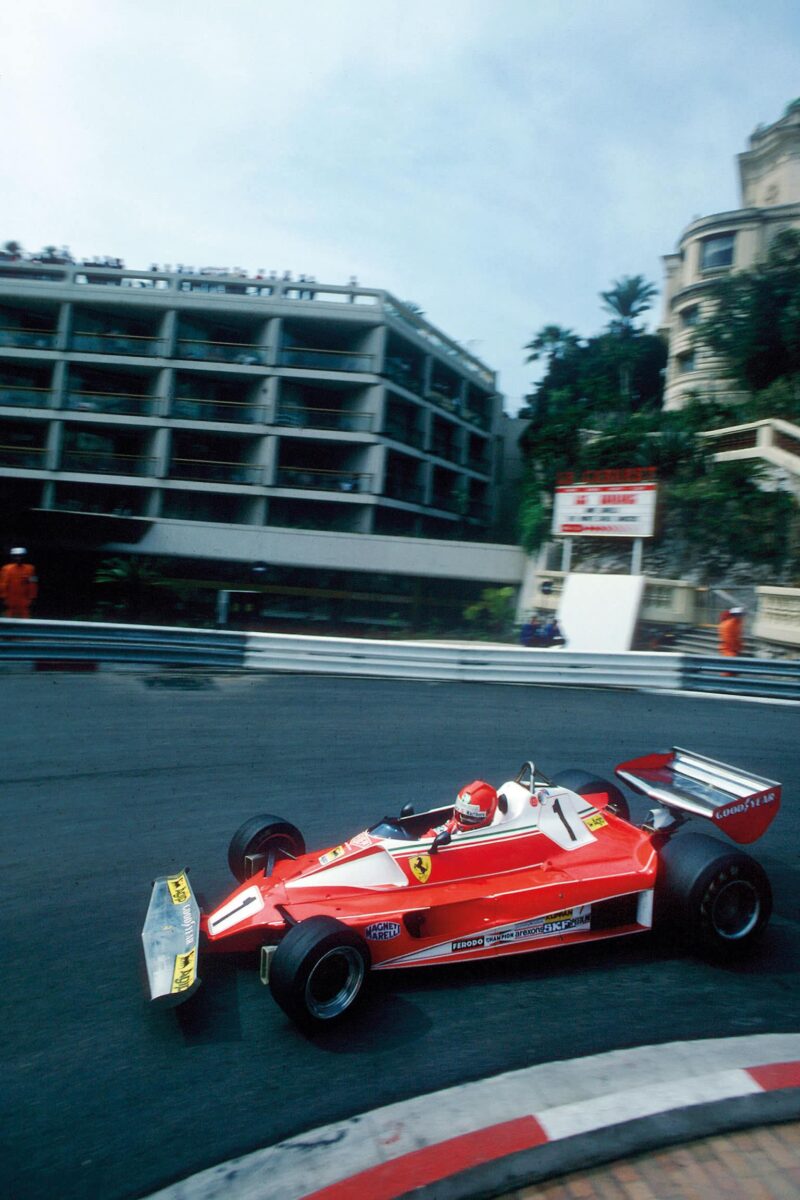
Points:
x=420 y=867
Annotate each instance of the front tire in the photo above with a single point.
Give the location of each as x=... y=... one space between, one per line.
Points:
x=318 y=970
x=267 y=835
x=720 y=899
x=586 y=784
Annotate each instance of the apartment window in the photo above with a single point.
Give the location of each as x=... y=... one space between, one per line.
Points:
x=716 y=252
x=690 y=316
x=687 y=363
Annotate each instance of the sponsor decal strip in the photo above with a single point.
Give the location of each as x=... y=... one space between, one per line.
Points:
x=569 y=920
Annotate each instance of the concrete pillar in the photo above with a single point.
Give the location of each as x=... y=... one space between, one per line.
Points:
x=55 y=437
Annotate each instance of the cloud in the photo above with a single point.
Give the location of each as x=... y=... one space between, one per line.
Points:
x=498 y=161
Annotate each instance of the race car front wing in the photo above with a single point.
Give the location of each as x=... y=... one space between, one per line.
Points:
x=171 y=937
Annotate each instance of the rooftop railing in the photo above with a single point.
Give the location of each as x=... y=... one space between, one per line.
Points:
x=208 y=471
x=298 y=416
x=325 y=360
x=330 y=481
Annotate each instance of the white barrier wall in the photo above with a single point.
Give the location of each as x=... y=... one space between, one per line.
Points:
x=599 y=612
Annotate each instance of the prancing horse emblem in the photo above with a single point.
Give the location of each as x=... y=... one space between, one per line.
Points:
x=421 y=867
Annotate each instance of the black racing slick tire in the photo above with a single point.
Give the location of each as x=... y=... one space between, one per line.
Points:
x=718 y=899
x=586 y=784
x=264 y=834
x=318 y=971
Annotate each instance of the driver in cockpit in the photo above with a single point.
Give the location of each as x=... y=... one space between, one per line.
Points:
x=475 y=807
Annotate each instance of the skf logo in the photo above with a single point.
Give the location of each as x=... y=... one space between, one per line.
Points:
x=420 y=865
x=178 y=888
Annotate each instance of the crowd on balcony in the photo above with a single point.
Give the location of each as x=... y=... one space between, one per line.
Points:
x=12 y=251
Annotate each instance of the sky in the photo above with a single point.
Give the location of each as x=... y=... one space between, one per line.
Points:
x=497 y=162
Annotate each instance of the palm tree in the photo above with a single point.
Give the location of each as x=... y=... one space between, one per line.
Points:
x=627 y=299
x=552 y=341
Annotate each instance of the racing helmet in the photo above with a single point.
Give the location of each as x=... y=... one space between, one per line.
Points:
x=475 y=805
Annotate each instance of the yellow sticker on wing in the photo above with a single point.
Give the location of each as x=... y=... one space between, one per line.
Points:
x=596 y=821
x=184 y=972
x=179 y=888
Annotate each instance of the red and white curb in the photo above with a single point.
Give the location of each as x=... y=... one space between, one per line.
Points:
x=419 y=1143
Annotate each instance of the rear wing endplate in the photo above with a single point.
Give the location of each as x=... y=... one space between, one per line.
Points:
x=742 y=805
x=171 y=937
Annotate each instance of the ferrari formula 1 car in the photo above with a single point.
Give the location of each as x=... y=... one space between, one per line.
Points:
x=532 y=865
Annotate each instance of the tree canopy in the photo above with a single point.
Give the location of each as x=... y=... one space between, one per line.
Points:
x=754 y=322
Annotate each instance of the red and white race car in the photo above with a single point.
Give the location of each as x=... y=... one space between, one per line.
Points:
x=534 y=864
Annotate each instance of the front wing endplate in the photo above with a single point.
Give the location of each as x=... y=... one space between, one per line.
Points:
x=171 y=938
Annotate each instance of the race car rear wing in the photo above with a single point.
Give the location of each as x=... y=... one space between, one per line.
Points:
x=171 y=937
x=742 y=805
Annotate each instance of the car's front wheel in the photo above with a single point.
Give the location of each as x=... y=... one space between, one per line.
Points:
x=318 y=971
x=264 y=835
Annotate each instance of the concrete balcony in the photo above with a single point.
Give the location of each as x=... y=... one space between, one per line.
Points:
x=329 y=481
x=27 y=339
x=128 y=344
x=202 y=470
x=106 y=462
x=189 y=408
x=241 y=353
x=25 y=397
x=297 y=416
x=25 y=457
x=116 y=403
x=326 y=360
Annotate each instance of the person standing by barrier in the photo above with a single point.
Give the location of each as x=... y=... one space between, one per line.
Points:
x=18 y=584
x=730 y=632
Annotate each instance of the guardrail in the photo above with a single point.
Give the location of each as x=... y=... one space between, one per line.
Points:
x=90 y=642
x=46 y=642
x=743 y=676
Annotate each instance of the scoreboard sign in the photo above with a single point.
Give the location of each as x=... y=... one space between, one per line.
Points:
x=605 y=510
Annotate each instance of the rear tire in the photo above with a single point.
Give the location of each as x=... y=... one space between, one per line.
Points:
x=719 y=899
x=318 y=970
x=586 y=784
x=262 y=835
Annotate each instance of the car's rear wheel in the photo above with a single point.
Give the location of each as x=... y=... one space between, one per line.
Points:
x=267 y=835
x=719 y=898
x=586 y=784
x=318 y=971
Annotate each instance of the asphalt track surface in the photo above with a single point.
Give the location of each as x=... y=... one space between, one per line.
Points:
x=111 y=779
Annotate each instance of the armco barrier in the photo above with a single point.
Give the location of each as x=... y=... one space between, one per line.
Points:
x=45 y=642
x=83 y=641
x=743 y=676
x=465 y=661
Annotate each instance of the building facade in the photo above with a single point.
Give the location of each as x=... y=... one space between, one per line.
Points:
x=769 y=179
x=218 y=420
